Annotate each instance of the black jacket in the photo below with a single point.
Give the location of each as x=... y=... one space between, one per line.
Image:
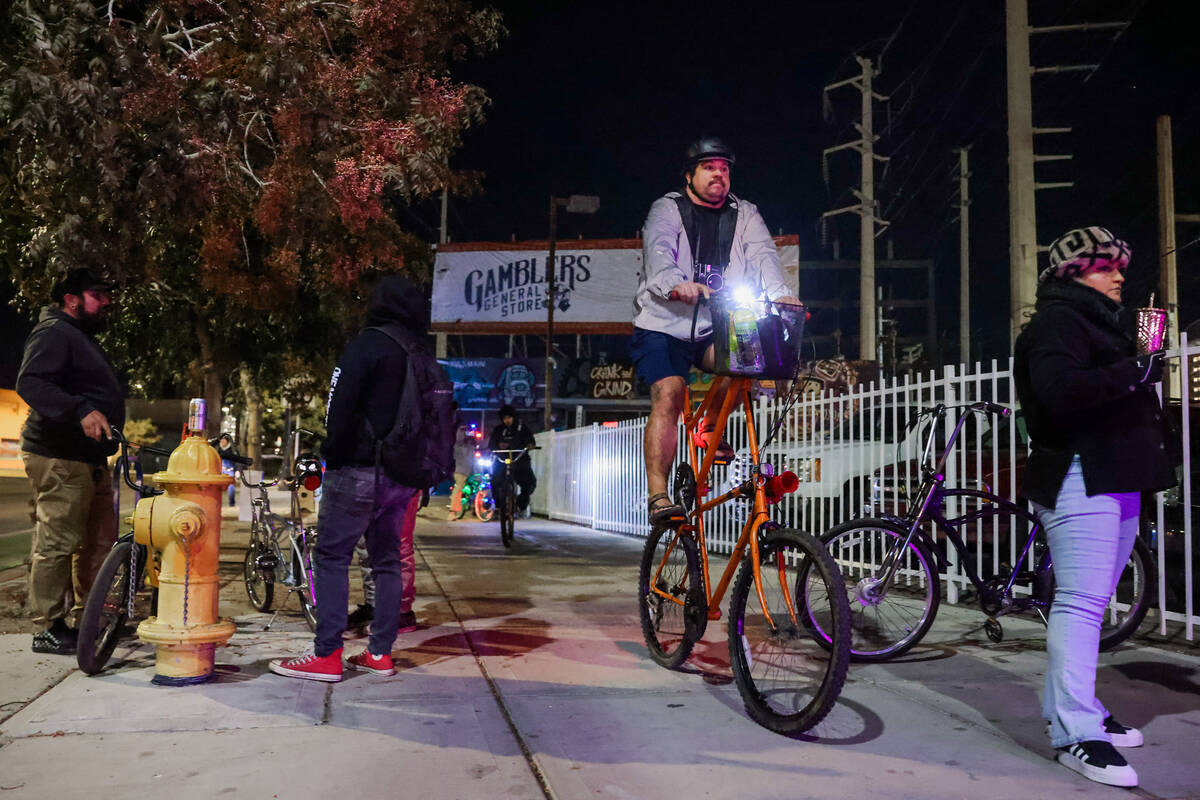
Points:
x=369 y=378
x=1077 y=381
x=511 y=437
x=64 y=377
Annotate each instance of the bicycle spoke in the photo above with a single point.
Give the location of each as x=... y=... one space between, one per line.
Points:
x=670 y=591
x=883 y=625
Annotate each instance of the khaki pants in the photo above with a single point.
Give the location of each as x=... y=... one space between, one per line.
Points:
x=76 y=527
x=460 y=480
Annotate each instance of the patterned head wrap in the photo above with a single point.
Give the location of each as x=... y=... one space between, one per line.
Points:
x=1079 y=251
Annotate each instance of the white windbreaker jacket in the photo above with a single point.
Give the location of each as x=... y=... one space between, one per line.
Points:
x=667 y=262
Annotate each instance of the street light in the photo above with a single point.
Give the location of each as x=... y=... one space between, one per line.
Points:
x=575 y=204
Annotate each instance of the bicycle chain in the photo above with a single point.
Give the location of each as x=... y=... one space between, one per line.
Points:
x=187 y=579
x=131 y=587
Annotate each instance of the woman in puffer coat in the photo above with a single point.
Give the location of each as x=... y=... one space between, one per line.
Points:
x=1097 y=442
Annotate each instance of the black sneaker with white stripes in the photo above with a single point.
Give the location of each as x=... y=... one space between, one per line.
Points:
x=1123 y=735
x=1098 y=761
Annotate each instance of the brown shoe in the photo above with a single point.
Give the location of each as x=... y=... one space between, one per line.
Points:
x=664 y=512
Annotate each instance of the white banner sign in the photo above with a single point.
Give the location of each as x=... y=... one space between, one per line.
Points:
x=488 y=285
x=509 y=286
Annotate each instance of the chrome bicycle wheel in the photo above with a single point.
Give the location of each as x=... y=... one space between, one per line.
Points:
x=883 y=624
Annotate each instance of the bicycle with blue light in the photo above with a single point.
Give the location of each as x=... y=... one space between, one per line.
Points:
x=787 y=675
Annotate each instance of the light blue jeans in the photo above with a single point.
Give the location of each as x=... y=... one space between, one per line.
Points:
x=1090 y=541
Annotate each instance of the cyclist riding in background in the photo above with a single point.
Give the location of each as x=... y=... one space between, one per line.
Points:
x=512 y=434
x=694 y=242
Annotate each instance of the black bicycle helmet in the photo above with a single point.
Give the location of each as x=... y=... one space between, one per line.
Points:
x=707 y=147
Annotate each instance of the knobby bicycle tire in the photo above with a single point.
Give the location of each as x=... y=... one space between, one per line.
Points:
x=883 y=627
x=671 y=624
x=788 y=677
x=106 y=610
x=260 y=587
x=507 y=517
x=485 y=508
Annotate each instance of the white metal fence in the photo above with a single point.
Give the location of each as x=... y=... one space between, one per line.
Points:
x=854 y=454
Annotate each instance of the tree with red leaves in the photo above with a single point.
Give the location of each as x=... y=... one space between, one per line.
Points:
x=236 y=164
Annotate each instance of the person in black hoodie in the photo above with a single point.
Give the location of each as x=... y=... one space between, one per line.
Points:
x=74 y=397
x=512 y=434
x=358 y=498
x=1096 y=442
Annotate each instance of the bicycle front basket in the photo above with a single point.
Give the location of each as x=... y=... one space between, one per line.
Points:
x=757 y=340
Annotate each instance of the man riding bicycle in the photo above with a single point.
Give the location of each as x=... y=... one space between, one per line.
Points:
x=694 y=243
x=512 y=434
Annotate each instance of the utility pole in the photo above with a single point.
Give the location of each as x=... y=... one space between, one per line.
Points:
x=1022 y=206
x=443 y=237
x=575 y=204
x=1168 y=282
x=1168 y=276
x=964 y=260
x=866 y=206
x=866 y=221
x=1022 y=216
x=547 y=421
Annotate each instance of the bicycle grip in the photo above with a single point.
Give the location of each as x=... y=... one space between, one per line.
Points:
x=996 y=408
x=245 y=462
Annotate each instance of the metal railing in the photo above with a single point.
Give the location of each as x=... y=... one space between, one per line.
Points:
x=855 y=456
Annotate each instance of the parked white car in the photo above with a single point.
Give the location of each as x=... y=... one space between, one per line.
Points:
x=836 y=461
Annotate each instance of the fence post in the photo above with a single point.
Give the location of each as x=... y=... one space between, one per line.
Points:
x=551 y=499
x=1185 y=400
x=595 y=472
x=953 y=568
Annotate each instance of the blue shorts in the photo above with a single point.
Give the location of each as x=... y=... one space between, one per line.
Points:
x=660 y=355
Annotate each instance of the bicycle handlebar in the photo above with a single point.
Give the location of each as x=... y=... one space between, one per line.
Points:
x=123 y=463
x=519 y=452
x=939 y=411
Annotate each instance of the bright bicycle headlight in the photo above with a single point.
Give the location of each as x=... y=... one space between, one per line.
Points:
x=744 y=296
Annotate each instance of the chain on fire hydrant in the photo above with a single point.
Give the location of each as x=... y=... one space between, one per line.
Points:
x=185 y=524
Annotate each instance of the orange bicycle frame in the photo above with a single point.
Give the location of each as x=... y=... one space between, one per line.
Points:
x=736 y=391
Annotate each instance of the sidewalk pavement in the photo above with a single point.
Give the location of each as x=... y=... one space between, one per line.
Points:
x=528 y=679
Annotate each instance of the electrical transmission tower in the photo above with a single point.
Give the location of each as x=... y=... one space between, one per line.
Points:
x=870 y=224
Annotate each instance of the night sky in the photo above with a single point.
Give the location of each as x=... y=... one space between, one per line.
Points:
x=602 y=98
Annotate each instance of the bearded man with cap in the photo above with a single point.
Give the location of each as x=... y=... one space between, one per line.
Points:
x=693 y=243
x=1096 y=442
x=74 y=396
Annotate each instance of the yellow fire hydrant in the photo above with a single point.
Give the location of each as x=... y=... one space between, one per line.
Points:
x=185 y=524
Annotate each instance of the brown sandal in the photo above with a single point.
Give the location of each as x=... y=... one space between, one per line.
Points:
x=664 y=511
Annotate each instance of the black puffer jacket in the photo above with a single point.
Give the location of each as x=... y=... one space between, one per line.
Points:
x=64 y=377
x=1077 y=380
x=369 y=378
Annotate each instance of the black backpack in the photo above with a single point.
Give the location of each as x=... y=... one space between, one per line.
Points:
x=419 y=449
